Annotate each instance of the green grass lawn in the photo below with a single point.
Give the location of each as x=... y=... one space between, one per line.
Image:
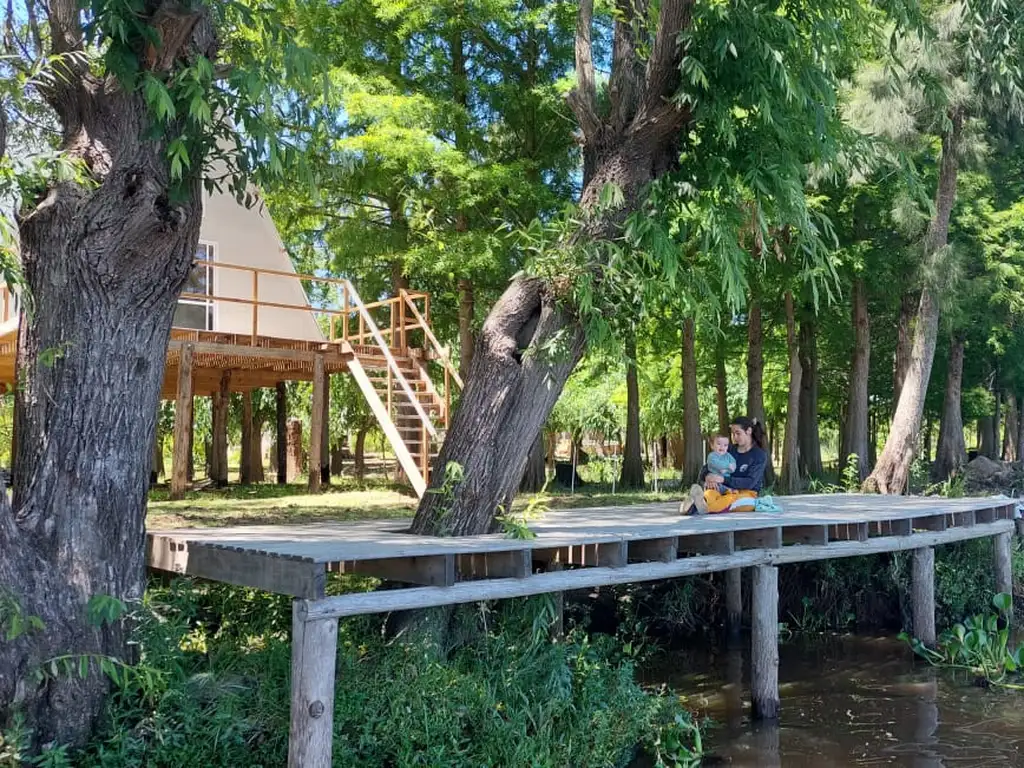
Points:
x=269 y=504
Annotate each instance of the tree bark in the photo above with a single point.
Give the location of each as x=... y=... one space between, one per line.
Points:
x=893 y=469
x=987 y=434
x=1020 y=429
x=360 y=453
x=509 y=394
x=535 y=475
x=952 y=453
x=632 y=475
x=790 y=476
x=258 y=475
x=721 y=388
x=281 y=444
x=219 y=447
x=1010 y=432
x=855 y=434
x=810 y=439
x=693 y=441
x=904 y=344
x=755 y=375
x=104 y=264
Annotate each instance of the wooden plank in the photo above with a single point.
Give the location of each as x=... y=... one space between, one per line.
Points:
x=848 y=532
x=263 y=353
x=613 y=554
x=763 y=538
x=900 y=527
x=663 y=550
x=314 y=652
x=182 y=425
x=805 y=534
x=282 y=575
x=316 y=421
x=930 y=523
x=986 y=515
x=708 y=544
x=429 y=570
x=961 y=518
x=513 y=564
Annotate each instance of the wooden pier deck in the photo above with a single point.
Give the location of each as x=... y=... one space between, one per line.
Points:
x=572 y=549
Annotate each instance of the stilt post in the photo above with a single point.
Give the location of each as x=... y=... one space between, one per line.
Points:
x=314 y=650
x=734 y=601
x=182 y=424
x=1003 y=544
x=316 y=427
x=764 y=667
x=923 y=595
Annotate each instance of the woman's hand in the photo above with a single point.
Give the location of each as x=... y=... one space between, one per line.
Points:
x=713 y=481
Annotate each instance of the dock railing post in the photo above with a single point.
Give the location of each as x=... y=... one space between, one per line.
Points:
x=314 y=652
x=764 y=666
x=923 y=595
x=734 y=601
x=1003 y=551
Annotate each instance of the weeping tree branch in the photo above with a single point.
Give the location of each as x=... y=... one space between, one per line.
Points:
x=583 y=98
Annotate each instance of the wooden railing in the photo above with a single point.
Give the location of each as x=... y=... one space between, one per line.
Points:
x=351 y=318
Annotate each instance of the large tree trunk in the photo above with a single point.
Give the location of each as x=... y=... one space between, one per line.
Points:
x=904 y=344
x=632 y=461
x=281 y=423
x=535 y=475
x=952 y=453
x=104 y=264
x=258 y=475
x=509 y=394
x=360 y=452
x=810 y=439
x=855 y=435
x=755 y=376
x=245 y=468
x=1010 y=433
x=219 y=441
x=466 y=312
x=790 y=475
x=721 y=388
x=987 y=437
x=693 y=441
x=1020 y=429
x=893 y=469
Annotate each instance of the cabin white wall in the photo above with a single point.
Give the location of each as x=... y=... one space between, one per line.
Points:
x=247 y=236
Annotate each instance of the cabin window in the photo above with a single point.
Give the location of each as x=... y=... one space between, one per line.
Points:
x=193 y=311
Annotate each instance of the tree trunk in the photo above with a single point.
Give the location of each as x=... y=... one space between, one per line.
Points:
x=157 y=470
x=790 y=476
x=693 y=441
x=904 y=344
x=810 y=440
x=245 y=469
x=893 y=468
x=927 y=448
x=258 y=475
x=755 y=376
x=325 y=436
x=360 y=455
x=987 y=432
x=1010 y=433
x=632 y=462
x=281 y=444
x=535 y=475
x=466 y=312
x=219 y=446
x=104 y=264
x=294 y=463
x=721 y=388
x=855 y=434
x=509 y=394
x=1020 y=429
x=952 y=453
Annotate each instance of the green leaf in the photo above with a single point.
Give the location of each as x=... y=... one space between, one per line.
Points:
x=1003 y=602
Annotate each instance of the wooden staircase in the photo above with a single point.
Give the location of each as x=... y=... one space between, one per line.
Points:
x=394 y=379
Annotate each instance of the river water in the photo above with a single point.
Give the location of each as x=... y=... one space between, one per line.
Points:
x=846 y=701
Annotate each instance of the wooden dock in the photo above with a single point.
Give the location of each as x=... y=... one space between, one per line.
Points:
x=572 y=549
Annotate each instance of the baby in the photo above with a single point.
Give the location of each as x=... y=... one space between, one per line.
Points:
x=720 y=461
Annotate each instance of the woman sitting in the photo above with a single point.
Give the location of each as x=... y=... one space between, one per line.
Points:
x=718 y=493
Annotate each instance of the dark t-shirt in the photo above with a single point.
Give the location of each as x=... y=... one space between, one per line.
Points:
x=749 y=474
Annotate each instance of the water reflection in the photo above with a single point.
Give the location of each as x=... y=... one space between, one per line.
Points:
x=847 y=702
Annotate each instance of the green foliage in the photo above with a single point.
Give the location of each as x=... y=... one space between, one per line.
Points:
x=980 y=644
x=516 y=524
x=14 y=622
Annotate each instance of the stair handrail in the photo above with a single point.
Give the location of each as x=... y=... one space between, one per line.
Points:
x=433 y=340
x=357 y=304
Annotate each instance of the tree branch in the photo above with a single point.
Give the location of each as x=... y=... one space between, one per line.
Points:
x=583 y=98
x=626 y=81
x=65 y=26
x=663 y=75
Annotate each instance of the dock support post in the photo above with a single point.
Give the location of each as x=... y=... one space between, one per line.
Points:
x=325 y=440
x=734 y=601
x=282 y=434
x=923 y=595
x=764 y=667
x=314 y=651
x=182 y=425
x=1004 y=566
x=221 y=400
x=557 y=630
x=316 y=424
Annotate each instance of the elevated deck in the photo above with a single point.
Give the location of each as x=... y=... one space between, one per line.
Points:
x=608 y=544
